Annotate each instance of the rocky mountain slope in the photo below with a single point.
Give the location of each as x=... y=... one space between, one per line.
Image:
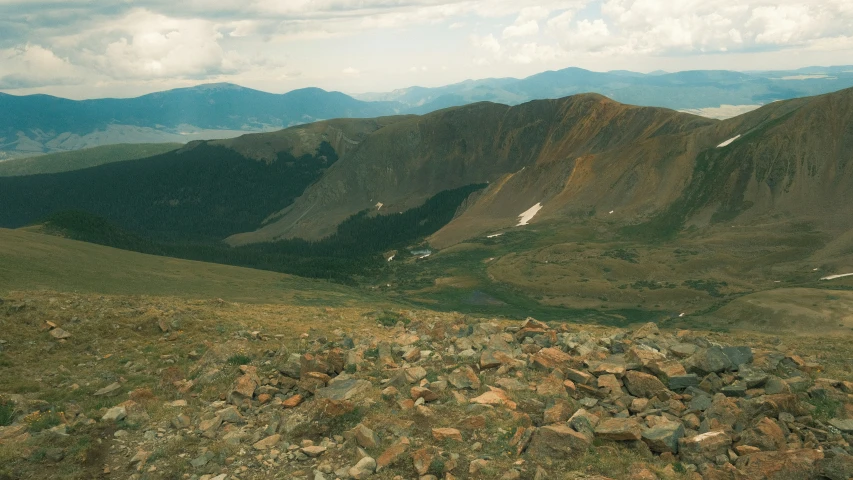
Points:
x=411 y=160
x=204 y=389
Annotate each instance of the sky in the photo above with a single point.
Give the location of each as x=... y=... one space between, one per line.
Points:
x=122 y=48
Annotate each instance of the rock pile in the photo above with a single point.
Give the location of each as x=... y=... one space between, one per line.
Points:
x=454 y=400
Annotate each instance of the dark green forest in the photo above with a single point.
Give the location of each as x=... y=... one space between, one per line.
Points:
x=202 y=193
x=353 y=253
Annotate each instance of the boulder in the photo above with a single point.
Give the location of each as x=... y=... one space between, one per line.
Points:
x=704 y=448
x=619 y=429
x=664 y=437
x=643 y=385
x=558 y=442
x=343 y=389
x=791 y=464
x=363 y=469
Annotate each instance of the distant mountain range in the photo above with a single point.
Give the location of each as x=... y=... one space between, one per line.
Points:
x=689 y=90
x=43 y=124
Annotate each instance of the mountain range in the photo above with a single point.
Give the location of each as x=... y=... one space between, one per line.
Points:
x=579 y=202
x=39 y=124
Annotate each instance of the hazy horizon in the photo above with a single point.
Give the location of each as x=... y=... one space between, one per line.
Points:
x=76 y=49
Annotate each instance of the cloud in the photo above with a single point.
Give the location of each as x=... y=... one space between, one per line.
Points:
x=525 y=29
x=486 y=42
x=35 y=66
x=350 y=71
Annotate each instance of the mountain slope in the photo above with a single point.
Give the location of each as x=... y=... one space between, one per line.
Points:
x=41 y=123
x=204 y=191
x=32 y=261
x=80 y=159
x=401 y=165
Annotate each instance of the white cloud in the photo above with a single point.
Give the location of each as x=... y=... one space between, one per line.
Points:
x=34 y=66
x=350 y=71
x=525 y=29
x=486 y=42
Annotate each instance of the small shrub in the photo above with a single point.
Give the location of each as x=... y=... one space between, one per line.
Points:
x=239 y=359
x=38 y=421
x=390 y=319
x=7 y=412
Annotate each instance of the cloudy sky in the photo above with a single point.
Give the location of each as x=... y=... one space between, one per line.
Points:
x=97 y=48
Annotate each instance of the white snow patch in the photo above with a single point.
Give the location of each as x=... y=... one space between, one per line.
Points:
x=833 y=277
x=391 y=257
x=527 y=216
x=728 y=142
x=682 y=315
x=611 y=212
x=494 y=235
x=379 y=206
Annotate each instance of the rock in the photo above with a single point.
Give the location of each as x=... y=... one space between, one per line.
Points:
x=495 y=397
x=709 y=360
x=646 y=331
x=391 y=456
x=578 y=376
x=363 y=469
x=464 y=378
x=682 y=382
x=422 y=459
x=664 y=437
x=365 y=437
x=292 y=402
x=551 y=386
x=846 y=426
x=441 y=434
x=767 y=436
x=584 y=422
x=559 y=442
x=415 y=374
x=422 y=392
x=343 y=389
x=230 y=415
x=791 y=464
x=115 y=414
x=735 y=390
x=839 y=467
x=643 y=385
x=738 y=355
x=59 y=334
x=704 y=447
x=551 y=358
x=559 y=412
x=109 y=390
x=312 y=451
x=267 y=443
x=619 y=429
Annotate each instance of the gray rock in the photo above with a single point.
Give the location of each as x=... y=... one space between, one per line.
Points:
x=846 y=426
x=109 y=390
x=664 y=438
x=363 y=469
x=681 y=382
x=839 y=467
x=738 y=355
x=115 y=414
x=709 y=360
x=734 y=390
x=343 y=389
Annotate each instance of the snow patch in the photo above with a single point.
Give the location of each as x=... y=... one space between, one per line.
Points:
x=379 y=206
x=728 y=142
x=527 y=216
x=833 y=277
x=494 y=235
x=391 y=257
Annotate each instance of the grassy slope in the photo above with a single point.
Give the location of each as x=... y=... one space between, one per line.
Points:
x=32 y=261
x=80 y=159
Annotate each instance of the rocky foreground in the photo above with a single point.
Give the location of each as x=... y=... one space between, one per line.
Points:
x=458 y=398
